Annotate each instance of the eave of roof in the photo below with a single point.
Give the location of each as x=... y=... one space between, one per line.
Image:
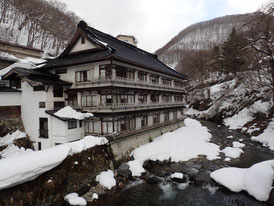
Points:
x=36 y=76
x=9 y=89
x=111 y=47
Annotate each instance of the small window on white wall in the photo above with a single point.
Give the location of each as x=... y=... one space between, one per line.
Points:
x=83 y=40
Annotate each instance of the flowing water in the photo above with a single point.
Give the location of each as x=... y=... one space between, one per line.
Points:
x=201 y=191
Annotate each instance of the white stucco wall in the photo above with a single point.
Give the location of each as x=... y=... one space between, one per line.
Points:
x=81 y=47
x=31 y=113
x=10 y=99
x=61 y=133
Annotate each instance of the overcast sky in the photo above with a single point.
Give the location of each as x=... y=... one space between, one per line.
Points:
x=154 y=22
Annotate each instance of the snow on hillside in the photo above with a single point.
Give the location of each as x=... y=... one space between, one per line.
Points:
x=200 y=36
x=267 y=137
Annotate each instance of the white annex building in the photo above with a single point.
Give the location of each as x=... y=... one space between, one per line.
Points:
x=128 y=91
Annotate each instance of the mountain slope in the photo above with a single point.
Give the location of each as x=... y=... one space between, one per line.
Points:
x=42 y=24
x=201 y=36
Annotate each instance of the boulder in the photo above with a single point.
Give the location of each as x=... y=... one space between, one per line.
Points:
x=152 y=180
x=124 y=170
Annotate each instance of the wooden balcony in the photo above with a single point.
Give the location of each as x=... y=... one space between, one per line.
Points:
x=117 y=107
x=127 y=82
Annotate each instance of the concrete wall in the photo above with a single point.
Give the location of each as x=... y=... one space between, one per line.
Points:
x=61 y=133
x=31 y=112
x=10 y=99
x=121 y=148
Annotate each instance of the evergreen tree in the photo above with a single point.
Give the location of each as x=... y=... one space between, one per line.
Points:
x=233 y=59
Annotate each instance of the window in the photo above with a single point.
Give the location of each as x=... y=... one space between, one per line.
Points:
x=142 y=98
x=178 y=98
x=154 y=98
x=154 y=79
x=82 y=76
x=80 y=123
x=39 y=146
x=121 y=72
x=166 y=81
x=88 y=101
x=58 y=105
x=144 y=121
x=142 y=76
x=57 y=91
x=42 y=104
x=175 y=115
x=105 y=71
x=91 y=127
x=61 y=71
x=167 y=98
x=43 y=128
x=156 y=119
x=166 y=116
x=72 y=99
x=178 y=83
x=72 y=124
x=39 y=88
x=83 y=40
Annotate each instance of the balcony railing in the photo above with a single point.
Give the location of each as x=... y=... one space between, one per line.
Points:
x=130 y=81
x=43 y=133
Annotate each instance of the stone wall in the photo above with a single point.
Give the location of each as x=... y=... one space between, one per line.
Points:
x=121 y=148
x=75 y=174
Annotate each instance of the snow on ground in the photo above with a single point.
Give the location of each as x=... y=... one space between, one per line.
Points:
x=192 y=112
x=182 y=144
x=177 y=175
x=232 y=152
x=256 y=180
x=13 y=151
x=9 y=138
x=267 y=137
x=247 y=114
x=238 y=144
x=29 y=165
x=86 y=143
x=69 y=112
x=74 y=199
x=106 y=179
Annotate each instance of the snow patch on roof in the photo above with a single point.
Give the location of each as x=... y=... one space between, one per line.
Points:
x=69 y=112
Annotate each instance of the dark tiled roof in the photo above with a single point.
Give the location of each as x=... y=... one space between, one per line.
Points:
x=37 y=76
x=8 y=89
x=77 y=59
x=113 y=48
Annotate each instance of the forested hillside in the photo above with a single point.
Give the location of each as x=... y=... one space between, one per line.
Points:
x=200 y=36
x=42 y=24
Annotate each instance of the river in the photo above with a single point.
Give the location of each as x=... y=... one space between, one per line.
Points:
x=199 y=190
